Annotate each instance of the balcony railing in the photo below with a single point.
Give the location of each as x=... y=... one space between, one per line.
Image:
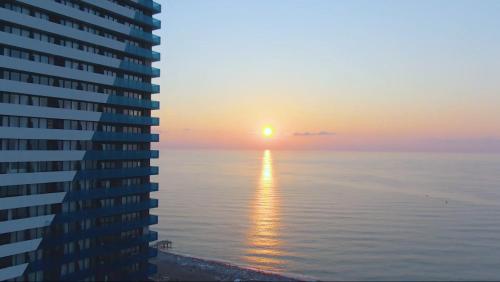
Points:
x=114 y=192
x=124 y=101
x=101 y=231
x=155 y=39
x=140 y=68
x=115 y=136
x=152 y=252
x=139 y=85
x=155 y=56
x=98 y=250
x=100 y=212
x=148 y=20
x=116 y=173
x=149 y=4
x=118 y=264
x=120 y=118
x=152 y=236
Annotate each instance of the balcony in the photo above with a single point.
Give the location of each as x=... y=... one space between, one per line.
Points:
x=75 y=74
x=92 y=252
x=155 y=39
x=93 y=19
x=64 y=93
x=63 y=113
x=155 y=105
x=138 y=85
x=124 y=101
x=154 y=56
x=116 y=173
x=118 y=264
x=155 y=88
x=155 y=23
x=46 y=47
x=126 y=119
x=62 y=30
x=153 y=220
x=64 y=134
x=125 y=12
x=152 y=236
x=152 y=252
x=113 y=136
x=138 y=68
x=155 y=7
x=100 y=231
x=119 y=155
x=100 y=212
x=74 y=155
x=113 y=192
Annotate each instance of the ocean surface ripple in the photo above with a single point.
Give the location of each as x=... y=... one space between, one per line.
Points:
x=331 y=215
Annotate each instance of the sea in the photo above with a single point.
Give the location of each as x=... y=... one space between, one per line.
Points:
x=335 y=215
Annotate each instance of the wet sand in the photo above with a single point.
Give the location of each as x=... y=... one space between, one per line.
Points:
x=174 y=267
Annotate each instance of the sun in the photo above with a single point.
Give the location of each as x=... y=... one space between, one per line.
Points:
x=267 y=131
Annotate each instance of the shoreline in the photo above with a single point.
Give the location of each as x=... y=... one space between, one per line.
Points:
x=177 y=267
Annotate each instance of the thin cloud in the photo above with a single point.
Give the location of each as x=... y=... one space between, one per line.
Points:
x=311 y=134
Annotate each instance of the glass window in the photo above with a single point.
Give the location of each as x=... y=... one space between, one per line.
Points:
x=35 y=101
x=14 y=121
x=42 y=145
x=14 y=75
x=24 y=77
x=23 y=100
x=15 y=53
x=43 y=123
x=14 y=98
x=23 y=144
x=44 y=80
x=23 y=122
x=13 y=144
x=35 y=123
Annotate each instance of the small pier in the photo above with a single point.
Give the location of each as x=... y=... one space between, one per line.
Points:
x=163 y=245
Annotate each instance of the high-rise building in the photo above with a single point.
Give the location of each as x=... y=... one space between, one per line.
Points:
x=75 y=139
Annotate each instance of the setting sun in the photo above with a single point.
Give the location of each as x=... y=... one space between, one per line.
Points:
x=267 y=132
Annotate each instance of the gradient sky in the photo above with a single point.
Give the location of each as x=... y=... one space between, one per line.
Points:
x=346 y=75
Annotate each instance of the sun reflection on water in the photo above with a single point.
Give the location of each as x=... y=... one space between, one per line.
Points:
x=263 y=238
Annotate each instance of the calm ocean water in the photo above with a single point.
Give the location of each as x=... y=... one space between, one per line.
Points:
x=330 y=215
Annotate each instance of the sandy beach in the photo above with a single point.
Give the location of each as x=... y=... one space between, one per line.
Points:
x=175 y=267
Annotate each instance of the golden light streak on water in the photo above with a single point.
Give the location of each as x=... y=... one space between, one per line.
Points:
x=264 y=239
